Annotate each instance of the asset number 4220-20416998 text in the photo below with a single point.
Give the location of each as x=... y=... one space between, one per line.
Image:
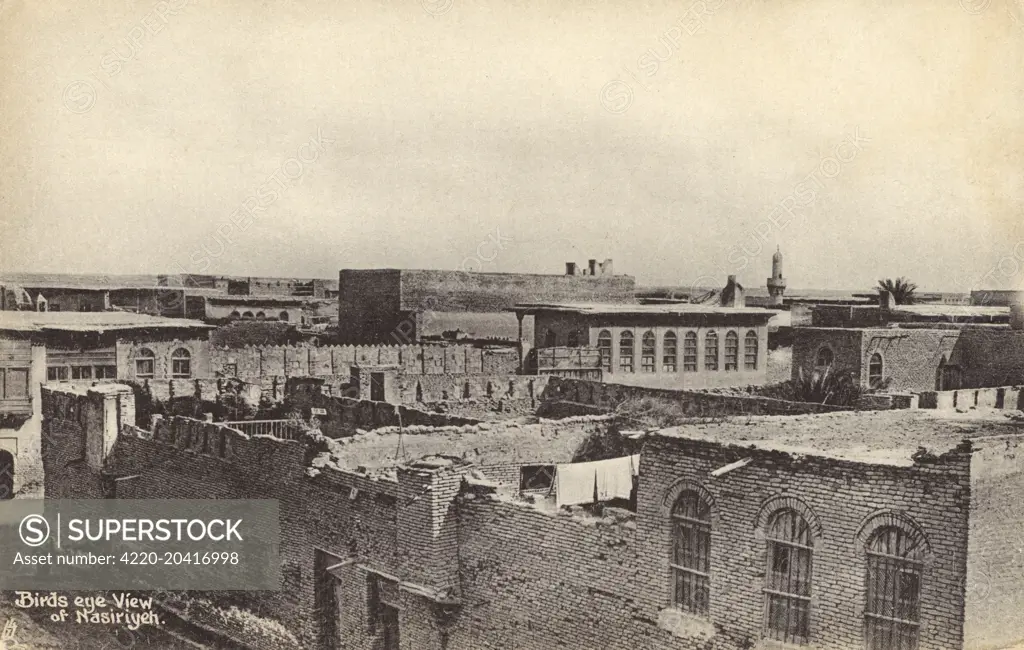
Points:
x=196 y=557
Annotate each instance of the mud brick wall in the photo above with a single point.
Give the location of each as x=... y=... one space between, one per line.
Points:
x=844 y=503
x=987 y=356
x=412 y=388
x=995 y=356
x=127 y=352
x=382 y=522
x=537 y=581
x=593 y=393
x=484 y=444
x=346 y=415
x=255 y=362
x=995 y=568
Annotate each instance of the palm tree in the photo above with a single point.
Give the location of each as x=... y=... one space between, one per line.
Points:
x=902 y=290
x=827 y=386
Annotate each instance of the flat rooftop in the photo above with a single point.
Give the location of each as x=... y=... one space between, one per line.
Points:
x=875 y=437
x=668 y=309
x=90 y=321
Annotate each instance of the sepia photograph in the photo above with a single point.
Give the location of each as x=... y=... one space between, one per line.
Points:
x=512 y=325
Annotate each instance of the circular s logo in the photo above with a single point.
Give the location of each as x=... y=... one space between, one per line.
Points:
x=34 y=530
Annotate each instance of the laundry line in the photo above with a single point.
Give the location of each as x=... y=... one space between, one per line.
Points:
x=593 y=481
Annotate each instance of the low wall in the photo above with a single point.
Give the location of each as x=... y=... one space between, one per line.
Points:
x=609 y=396
x=887 y=401
x=344 y=415
x=1002 y=397
x=205 y=389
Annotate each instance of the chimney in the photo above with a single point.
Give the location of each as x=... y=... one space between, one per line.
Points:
x=732 y=294
x=570 y=268
x=606 y=268
x=885 y=300
x=592 y=265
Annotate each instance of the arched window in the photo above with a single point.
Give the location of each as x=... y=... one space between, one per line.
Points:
x=648 y=361
x=875 y=369
x=732 y=351
x=283 y=316
x=573 y=339
x=260 y=315
x=750 y=351
x=824 y=359
x=247 y=314
x=788 y=577
x=669 y=352
x=691 y=553
x=550 y=339
x=711 y=351
x=235 y=314
x=181 y=364
x=145 y=364
x=690 y=352
x=604 y=348
x=626 y=352
x=892 y=611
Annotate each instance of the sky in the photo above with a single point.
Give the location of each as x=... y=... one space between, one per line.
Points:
x=685 y=140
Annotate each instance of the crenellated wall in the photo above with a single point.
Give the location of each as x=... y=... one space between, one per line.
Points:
x=300 y=361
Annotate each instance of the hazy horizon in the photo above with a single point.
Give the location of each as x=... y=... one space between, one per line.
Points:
x=293 y=140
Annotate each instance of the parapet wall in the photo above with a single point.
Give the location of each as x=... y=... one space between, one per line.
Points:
x=1001 y=397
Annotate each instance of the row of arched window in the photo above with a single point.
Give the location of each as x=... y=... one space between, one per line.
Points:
x=671 y=359
x=876 y=366
x=894 y=560
x=145 y=364
x=260 y=315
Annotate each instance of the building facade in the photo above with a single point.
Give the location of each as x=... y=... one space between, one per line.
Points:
x=36 y=348
x=665 y=346
x=405 y=306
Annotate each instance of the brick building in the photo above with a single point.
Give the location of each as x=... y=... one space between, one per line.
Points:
x=663 y=345
x=279 y=308
x=403 y=305
x=915 y=358
x=39 y=347
x=824 y=531
x=915 y=347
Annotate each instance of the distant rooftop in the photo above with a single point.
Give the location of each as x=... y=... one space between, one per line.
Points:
x=89 y=321
x=593 y=308
x=876 y=437
x=263 y=300
x=952 y=311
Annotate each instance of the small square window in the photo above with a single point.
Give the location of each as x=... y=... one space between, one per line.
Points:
x=536 y=477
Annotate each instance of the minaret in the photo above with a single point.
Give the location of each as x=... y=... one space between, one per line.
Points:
x=776 y=283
